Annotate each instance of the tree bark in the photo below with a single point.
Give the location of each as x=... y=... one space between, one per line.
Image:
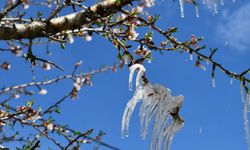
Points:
x=38 y=29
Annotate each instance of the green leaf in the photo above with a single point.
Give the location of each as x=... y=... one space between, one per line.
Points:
x=57 y=110
x=39 y=14
x=157 y=16
x=90 y=131
x=29 y=103
x=77 y=133
x=62 y=46
x=200 y=38
x=246 y=89
x=172 y=30
x=148 y=55
x=149 y=34
x=39 y=109
x=119 y=56
x=123 y=42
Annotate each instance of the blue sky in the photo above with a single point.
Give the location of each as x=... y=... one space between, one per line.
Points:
x=213 y=116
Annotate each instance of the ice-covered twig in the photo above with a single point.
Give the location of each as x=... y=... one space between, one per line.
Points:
x=158 y=105
x=141 y=70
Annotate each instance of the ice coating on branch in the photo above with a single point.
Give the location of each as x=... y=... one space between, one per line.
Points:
x=141 y=70
x=157 y=106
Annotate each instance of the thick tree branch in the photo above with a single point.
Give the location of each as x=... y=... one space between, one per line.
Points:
x=37 y=29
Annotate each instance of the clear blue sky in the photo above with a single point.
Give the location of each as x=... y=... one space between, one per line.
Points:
x=213 y=116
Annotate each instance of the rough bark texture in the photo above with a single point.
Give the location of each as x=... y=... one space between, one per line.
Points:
x=36 y=29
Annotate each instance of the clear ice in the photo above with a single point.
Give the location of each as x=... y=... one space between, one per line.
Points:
x=139 y=74
x=157 y=106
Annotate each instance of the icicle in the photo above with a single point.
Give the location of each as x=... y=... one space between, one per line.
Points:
x=213 y=82
x=202 y=67
x=241 y=91
x=207 y=61
x=231 y=81
x=222 y=2
x=245 y=113
x=131 y=74
x=176 y=126
x=197 y=11
x=139 y=74
x=233 y=1
x=208 y=4
x=215 y=6
x=191 y=56
x=182 y=7
x=129 y=110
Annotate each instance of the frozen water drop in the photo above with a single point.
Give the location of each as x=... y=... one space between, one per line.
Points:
x=213 y=83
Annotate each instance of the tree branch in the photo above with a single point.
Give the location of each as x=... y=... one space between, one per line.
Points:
x=37 y=29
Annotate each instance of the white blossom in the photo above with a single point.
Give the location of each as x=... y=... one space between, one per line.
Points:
x=43 y=91
x=77 y=80
x=26 y=6
x=37 y=136
x=88 y=38
x=132 y=35
x=46 y=66
x=35 y=118
x=149 y=3
x=77 y=86
x=139 y=9
x=16 y=96
x=50 y=126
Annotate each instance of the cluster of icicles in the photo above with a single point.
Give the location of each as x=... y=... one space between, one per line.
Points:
x=214 y=4
x=158 y=105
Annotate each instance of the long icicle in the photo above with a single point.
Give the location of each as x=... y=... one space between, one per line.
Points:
x=182 y=7
x=245 y=112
